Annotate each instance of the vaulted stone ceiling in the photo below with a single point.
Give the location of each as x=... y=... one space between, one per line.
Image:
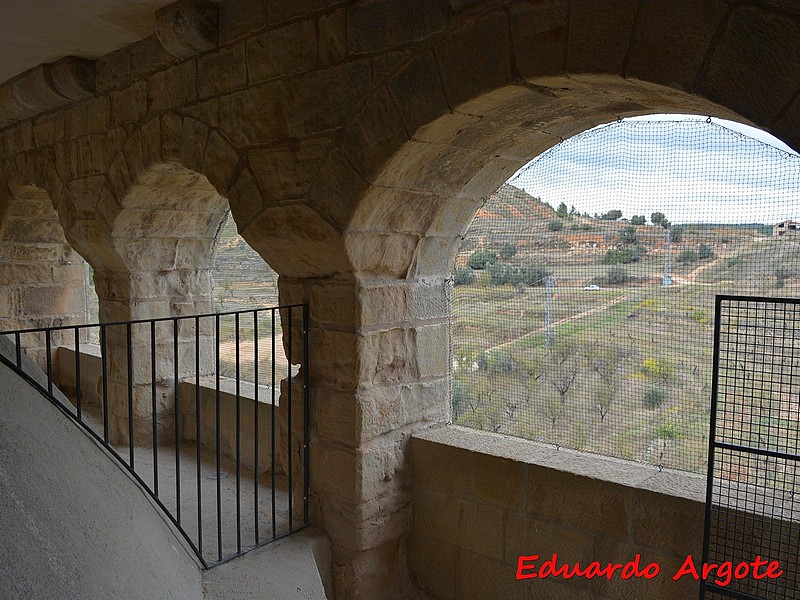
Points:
x=44 y=31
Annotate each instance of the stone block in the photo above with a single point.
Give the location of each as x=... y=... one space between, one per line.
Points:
x=498 y=481
x=113 y=71
x=432 y=345
x=539 y=36
x=434 y=256
x=579 y=502
x=332 y=41
x=437 y=515
x=221 y=71
x=206 y=111
x=374 y=134
x=171 y=128
x=668 y=523
x=240 y=18
x=323 y=99
x=90 y=117
x=281 y=52
x=758 y=51
x=481 y=529
x=129 y=105
x=440 y=467
x=18 y=138
x=383 y=409
x=219 y=162
x=432 y=565
x=338 y=348
x=684 y=29
x=476 y=58
x=480 y=577
x=527 y=536
x=419 y=92
x=599 y=35
x=383 y=304
x=375 y=25
x=256 y=115
x=148 y=56
x=335 y=189
x=280 y=11
x=384 y=256
x=334 y=303
x=187 y=27
x=386 y=357
x=48 y=129
x=73 y=77
x=173 y=87
x=286 y=170
x=194 y=136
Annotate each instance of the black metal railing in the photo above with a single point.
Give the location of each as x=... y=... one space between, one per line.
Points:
x=204 y=411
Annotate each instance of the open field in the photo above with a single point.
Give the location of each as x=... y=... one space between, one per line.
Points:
x=627 y=370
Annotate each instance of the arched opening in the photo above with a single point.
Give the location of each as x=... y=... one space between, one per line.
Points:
x=45 y=281
x=584 y=289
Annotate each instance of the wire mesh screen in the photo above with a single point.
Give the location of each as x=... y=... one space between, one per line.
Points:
x=752 y=510
x=583 y=292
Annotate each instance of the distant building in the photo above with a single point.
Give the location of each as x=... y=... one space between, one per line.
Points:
x=785 y=228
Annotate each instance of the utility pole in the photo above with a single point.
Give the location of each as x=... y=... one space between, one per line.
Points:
x=667 y=279
x=549 y=336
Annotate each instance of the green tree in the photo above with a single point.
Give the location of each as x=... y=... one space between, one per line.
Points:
x=638 y=220
x=534 y=274
x=656 y=218
x=688 y=256
x=480 y=259
x=507 y=250
x=627 y=235
x=654 y=397
x=555 y=225
x=705 y=252
x=463 y=276
x=612 y=215
x=562 y=211
x=677 y=234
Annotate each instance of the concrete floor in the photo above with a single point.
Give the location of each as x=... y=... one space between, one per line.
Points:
x=185 y=476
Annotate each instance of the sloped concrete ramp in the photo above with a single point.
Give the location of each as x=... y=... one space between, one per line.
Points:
x=73 y=524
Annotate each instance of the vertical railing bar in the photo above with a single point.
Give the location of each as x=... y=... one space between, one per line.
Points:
x=153 y=403
x=255 y=424
x=289 y=417
x=104 y=368
x=177 y=420
x=197 y=432
x=305 y=414
x=272 y=436
x=219 y=491
x=48 y=348
x=18 y=344
x=129 y=351
x=78 y=391
x=238 y=433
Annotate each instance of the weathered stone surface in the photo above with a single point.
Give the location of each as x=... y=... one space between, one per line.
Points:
x=672 y=524
x=280 y=11
x=48 y=129
x=382 y=255
x=219 y=162
x=129 y=105
x=322 y=100
x=336 y=185
x=267 y=123
x=113 y=71
x=282 y=52
x=374 y=25
x=684 y=30
x=187 y=27
x=286 y=170
x=419 y=92
x=90 y=117
x=599 y=35
x=221 y=71
x=172 y=87
x=374 y=134
x=148 y=56
x=539 y=36
x=482 y=577
x=466 y=72
x=758 y=51
x=239 y=18
x=427 y=464
x=435 y=562
x=73 y=78
x=332 y=42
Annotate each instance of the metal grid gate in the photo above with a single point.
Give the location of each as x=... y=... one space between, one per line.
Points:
x=752 y=507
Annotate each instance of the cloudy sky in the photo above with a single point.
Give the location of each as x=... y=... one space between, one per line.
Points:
x=692 y=171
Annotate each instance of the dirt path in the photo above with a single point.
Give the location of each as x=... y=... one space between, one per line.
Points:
x=569 y=319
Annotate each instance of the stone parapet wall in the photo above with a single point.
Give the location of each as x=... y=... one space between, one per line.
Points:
x=482 y=500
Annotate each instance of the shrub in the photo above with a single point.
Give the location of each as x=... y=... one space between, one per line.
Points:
x=688 y=256
x=677 y=234
x=508 y=250
x=658 y=369
x=463 y=276
x=555 y=225
x=656 y=218
x=627 y=235
x=705 y=252
x=617 y=275
x=612 y=215
x=638 y=220
x=668 y=432
x=623 y=256
x=480 y=259
x=654 y=397
x=534 y=274
x=781 y=275
x=461 y=397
